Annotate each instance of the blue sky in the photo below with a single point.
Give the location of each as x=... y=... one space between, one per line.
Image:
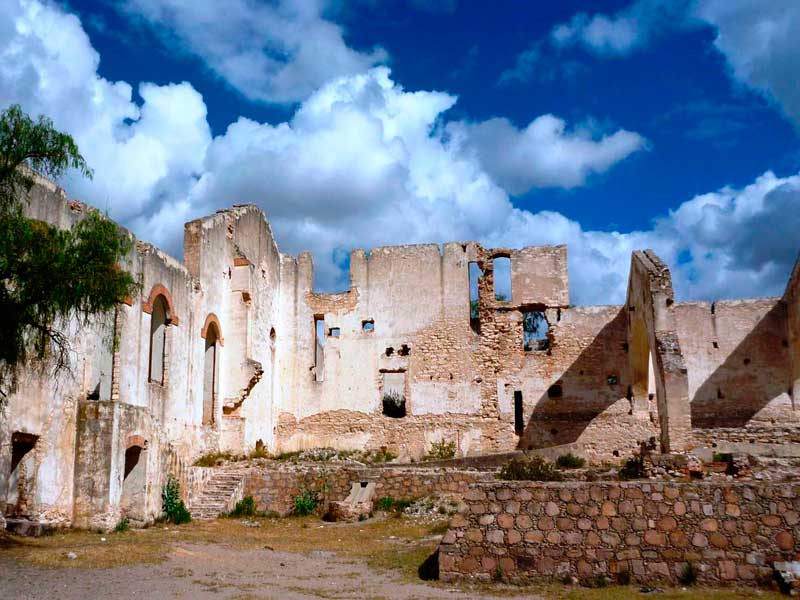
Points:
x=608 y=126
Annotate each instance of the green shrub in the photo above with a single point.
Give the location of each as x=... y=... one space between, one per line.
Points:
x=441 y=451
x=305 y=502
x=123 y=525
x=246 y=507
x=288 y=456
x=259 y=452
x=385 y=504
x=595 y=581
x=394 y=404
x=688 y=575
x=212 y=458
x=175 y=510
x=632 y=469
x=570 y=461
x=530 y=469
x=382 y=456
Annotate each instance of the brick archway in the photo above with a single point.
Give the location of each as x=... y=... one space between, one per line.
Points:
x=212 y=319
x=160 y=290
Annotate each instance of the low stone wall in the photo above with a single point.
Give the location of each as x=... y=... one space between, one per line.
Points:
x=274 y=487
x=528 y=530
x=779 y=434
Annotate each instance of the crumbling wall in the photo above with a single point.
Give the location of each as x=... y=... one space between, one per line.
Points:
x=792 y=299
x=654 y=348
x=38 y=421
x=235 y=262
x=738 y=359
x=575 y=394
x=273 y=488
x=421 y=340
x=730 y=533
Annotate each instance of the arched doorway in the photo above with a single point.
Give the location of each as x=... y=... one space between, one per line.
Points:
x=134 y=483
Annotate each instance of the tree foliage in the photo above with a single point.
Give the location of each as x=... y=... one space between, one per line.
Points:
x=49 y=275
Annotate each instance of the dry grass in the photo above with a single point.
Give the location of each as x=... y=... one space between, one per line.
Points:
x=384 y=543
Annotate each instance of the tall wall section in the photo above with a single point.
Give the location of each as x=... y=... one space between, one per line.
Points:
x=405 y=324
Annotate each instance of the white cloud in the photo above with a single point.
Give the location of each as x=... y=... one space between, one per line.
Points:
x=142 y=156
x=274 y=52
x=759 y=39
x=365 y=163
x=625 y=31
x=545 y=153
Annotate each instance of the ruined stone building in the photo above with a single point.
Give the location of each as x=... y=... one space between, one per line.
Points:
x=233 y=346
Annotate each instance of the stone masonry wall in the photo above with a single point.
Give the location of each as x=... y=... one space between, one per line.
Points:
x=526 y=530
x=274 y=488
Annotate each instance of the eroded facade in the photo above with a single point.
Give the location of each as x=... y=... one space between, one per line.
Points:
x=459 y=343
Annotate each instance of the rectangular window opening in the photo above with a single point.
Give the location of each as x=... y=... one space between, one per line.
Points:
x=534 y=331
x=393 y=394
x=502 y=278
x=368 y=325
x=319 y=347
x=334 y=332
x=475 y=273
x=519 y=420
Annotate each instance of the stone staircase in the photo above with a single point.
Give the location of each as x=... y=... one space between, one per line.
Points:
x=220 y=493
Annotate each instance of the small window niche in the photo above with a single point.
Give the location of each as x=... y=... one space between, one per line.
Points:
x=368 y=325
x=534 y=331
x=475 y=273
x=334 y=332
x=519 y=420
x=319 y=347
x=555 y=391
x=502 y=278
x=393 y=395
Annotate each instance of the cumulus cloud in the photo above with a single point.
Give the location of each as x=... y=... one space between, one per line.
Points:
x=627 y=30
x=142 y=155
x=759 y=40
x=276 y=52
x=545 y=153
x=364 y=162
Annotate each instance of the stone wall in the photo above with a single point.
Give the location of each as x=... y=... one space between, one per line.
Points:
x=529 y=530
x=273 y=488
x=739 y=369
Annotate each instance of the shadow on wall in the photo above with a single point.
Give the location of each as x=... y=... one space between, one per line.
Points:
x=595 y=380
x=754 y=374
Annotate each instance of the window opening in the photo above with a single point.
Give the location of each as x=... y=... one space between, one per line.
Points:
x=393 y=398
x=319 y=347
x=519 y=422
x=158 y=339
x=502 y=278
x=475 y=273
x=534 y=331
x=210 y=374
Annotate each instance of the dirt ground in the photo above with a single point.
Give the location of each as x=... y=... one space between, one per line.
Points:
x=279 y=558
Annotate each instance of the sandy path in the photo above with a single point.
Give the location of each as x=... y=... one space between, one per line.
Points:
x=220 y=572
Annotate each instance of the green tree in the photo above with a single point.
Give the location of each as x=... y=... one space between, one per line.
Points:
x=49 y=275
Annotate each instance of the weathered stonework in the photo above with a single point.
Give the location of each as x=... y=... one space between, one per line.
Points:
x=274 y=487
x=529 y=530
x=234 y=346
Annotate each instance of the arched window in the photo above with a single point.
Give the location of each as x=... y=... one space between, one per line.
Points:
x=158 y=339
x=210 y=373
